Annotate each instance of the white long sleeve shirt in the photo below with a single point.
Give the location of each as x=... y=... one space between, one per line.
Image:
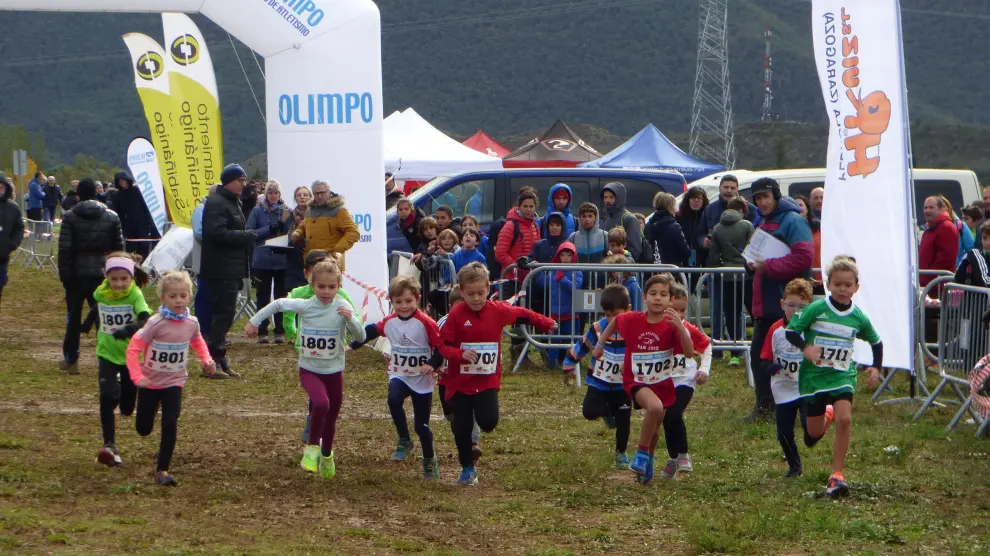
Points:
x=321 y=331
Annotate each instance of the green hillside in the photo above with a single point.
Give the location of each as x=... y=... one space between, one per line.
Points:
x=471 y=64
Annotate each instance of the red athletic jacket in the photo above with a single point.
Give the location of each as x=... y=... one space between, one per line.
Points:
x=939 y=247
x=466 y=326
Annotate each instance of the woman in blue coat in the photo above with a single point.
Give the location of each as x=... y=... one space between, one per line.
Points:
x=270 y=219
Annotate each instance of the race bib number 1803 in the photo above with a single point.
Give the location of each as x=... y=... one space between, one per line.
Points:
x=317 y=343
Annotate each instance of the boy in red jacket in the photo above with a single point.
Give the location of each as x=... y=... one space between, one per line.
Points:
x=472 y=339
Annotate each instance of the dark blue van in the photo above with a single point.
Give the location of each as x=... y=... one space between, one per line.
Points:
x=498 y=190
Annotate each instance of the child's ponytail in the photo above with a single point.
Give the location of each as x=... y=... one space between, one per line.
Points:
x=141 y=276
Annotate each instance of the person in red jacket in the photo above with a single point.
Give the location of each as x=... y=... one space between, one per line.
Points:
x=519 y=234
x=939 y=242
x=472 y=346
x=514 y=241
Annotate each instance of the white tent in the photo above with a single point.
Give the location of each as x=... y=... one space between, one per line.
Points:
x=415 y=150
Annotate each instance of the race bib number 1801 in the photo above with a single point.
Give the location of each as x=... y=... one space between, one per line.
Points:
x=168 y=358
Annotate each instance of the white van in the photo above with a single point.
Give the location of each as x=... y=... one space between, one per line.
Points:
x=960 y=187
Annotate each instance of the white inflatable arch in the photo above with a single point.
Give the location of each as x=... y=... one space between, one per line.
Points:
x=323 y=98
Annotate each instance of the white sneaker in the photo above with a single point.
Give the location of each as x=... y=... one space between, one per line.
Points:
x=684 y=464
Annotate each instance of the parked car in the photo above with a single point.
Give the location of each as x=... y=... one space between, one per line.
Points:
x=497 y=191
x=960 y=187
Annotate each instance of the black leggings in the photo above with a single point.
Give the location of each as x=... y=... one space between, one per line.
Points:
x=114 y=392
x=468 y=408
x=674 y=429
x=422 y=404
x=599 y=403
x=786 y=413
x=170 y=400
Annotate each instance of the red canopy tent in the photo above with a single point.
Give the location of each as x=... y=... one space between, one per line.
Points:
x=482 y=143
x=559 y=147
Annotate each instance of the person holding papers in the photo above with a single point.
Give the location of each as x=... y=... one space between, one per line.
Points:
x=781 y=219
x=270 y=219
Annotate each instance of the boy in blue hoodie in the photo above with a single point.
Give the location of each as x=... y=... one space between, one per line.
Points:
x=605 y=397
x=559 y=287
x=559 y=200
x=468 y=253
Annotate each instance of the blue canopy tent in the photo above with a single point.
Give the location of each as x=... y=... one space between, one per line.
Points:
x=650 y=149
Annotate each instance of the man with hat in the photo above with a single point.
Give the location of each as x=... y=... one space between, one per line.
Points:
x=11 y=228
x=781 y=218
x=226 y=253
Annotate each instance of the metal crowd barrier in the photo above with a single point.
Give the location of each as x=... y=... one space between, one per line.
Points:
x=719 y=303
x=962 y=342
x=38 y=247
x=437 y=276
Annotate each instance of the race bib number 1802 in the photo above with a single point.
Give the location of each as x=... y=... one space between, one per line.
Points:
x=115 y=317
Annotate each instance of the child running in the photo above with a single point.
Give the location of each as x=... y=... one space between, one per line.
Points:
x=414 y=338
x=445 y=404
x=828 y=374
x=783 y=360
x=122 y=310
x=606 y=398
x=289 y=318
x=647 y=367
x=472 y=344
x=687 y=374
x=157 y=360
x=323 y=321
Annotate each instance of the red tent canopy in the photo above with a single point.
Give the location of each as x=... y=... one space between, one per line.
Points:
x=482 y=143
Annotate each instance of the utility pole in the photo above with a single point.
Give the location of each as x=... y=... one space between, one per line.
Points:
x=712 y=136
x=767 y=115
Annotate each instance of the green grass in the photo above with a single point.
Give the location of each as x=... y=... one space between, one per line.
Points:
x=547 y=482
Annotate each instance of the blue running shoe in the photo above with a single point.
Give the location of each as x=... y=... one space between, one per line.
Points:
x=469 y=477
x=648 y=476
x=640 y=462
x=403 y=450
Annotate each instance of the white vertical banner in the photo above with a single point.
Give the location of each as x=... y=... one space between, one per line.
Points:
x=142 y=161
x=869 y=210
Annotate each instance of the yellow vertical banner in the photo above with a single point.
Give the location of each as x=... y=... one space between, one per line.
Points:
x=195 y=101
x=151 y=80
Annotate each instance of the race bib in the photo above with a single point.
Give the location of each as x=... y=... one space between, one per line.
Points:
x=679 y=367
x=167 y=358
x=652 y=367
x=115 y=317
x=790 y=364
x=609 y=368
x=317 y=343
x=487 y=358
x=407 y=360
x=836 y=353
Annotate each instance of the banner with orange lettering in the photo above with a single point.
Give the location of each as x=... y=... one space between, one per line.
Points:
x=869 y=206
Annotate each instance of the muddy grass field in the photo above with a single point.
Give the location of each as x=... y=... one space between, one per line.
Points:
x=547 y=482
